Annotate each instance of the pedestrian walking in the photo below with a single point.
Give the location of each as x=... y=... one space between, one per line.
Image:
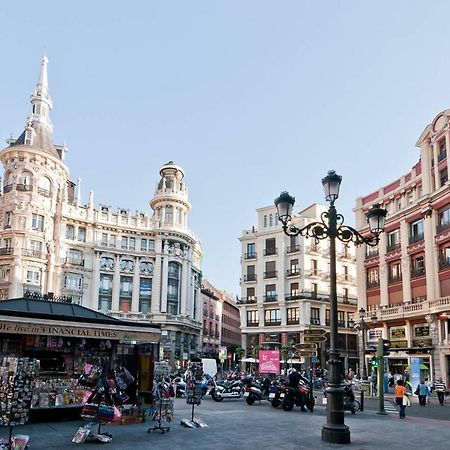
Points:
x=439 y=387
x=422 y=391
x=430 y=385
x=400 y=394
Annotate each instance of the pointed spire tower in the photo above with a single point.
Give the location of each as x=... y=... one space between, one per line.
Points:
x=39 y=128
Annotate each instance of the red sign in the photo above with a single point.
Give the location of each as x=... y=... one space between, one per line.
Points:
x=269 y=361
x=229 y=356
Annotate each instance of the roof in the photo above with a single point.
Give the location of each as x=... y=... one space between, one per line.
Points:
x=41 y=141
x=61 y=311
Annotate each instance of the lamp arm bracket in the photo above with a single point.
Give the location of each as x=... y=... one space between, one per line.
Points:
x=316 y=230
x=347 y=234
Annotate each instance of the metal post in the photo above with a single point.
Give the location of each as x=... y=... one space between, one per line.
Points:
x=364 y=368
x=380 y=357
x=334 y=431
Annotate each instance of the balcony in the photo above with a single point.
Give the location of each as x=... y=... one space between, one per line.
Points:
x=444 y=263
x=346 y=300
x=248 y=300
x=292 y=296
x=270 y=298
x=74 y=261
x=417 y=272
x=293 y=321
x=44 y=192
x=271 y=323
x=33 y=253
x=314 y=321
x=270 y=251
x=293 y=248
x=250 y=277
x=372 y=253
x=442 y=227
x=293 y=272
x=394 y=278
x=105 y=291
x=442 y=156
x=416 y=238
x=314 y=273
x=7 y=188
x=24 y=187
x=250 y=255
x=392 y=247
x=271 y=274
x=253 y=324
x=313 y=249
x=373 y=284
x=6 y=251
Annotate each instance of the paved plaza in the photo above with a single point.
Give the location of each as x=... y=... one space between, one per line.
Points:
x=234 y=425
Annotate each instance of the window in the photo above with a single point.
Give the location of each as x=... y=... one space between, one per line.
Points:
x=252 y=318
x=416 y=231
x=373 y=277
x=410 y=198
x=45 y=186
x=271 y=293
x=251 y=275
x=25 y=181
x=132 y=245
x=327 y=317
x=293 y=245
x=73 y=281
x=4 y=273
x=145 y=294
x=126 y=286
x=106 y=263
x=371 y=251
x=124 y=242
x=33 y=276
x=293 y=316
x=151 y=245
x=345 y=295
x=271 y=220
x=315 y=316
x=7 y=220
x=346 y=276
x=443 y=219
x=82 y=234
x=143 y=245
x=314 y=290
x=294 y=288
x=265 y=221
x=443 y=176
x=70 y=231
x=395 y=272
x=37 y=222
x=126 y=265
x=251 y=250
x=314 y=270
x=146 y=267
x=270 y=248
x=418 y=266
x=173 y=283
x=270 y=270
x=75 y=256
x=169 y=215
x=250 y=294
x=341 y=318
x=272 y=316
x=398 y=204
x=393 y=239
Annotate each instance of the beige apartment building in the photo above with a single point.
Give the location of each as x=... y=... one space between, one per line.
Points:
x=404 y=283
x=285 y=285
x=133 y=266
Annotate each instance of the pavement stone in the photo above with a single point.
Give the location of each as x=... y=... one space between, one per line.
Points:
x=234 y=425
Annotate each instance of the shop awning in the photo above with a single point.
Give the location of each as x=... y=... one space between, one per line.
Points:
x=50 y=318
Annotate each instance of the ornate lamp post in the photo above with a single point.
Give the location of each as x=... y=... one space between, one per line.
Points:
x=331 y=226
x=362 y=353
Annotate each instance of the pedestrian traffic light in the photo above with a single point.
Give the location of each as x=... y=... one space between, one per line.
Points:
x=374 y=362
x=386 y=347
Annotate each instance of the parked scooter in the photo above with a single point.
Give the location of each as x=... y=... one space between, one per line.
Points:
x=277 y=391
x=255 y=391
x=226 y=389
x=350 y=403
x=301 y=396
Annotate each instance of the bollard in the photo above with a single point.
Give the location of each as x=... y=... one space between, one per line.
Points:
x=362 y=400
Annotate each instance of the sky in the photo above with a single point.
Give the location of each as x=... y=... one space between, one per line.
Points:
x=249 y=97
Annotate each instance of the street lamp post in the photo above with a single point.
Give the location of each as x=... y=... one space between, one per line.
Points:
x=362 y=352
x=331 y=226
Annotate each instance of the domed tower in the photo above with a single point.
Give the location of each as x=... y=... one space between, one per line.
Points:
x=34 y=185
x=170 y=202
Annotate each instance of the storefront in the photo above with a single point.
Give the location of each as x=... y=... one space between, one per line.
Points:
x=63 y=337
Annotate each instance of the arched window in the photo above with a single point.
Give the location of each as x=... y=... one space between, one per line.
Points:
x=8 y=180
x=126 y=265
x=25 y=181
x=45 y=186
x=106 y=263
x=271 y=220
x=146 y=267
x=173 y=288
x=265 y=221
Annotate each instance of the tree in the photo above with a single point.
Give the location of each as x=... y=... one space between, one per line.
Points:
x=287 y=352
x=239 y=353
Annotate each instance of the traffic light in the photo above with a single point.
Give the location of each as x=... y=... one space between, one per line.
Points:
x=386 y=347
x=383 y=347
x=374 y=362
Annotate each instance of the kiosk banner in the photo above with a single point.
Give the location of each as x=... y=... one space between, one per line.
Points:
x=269 y=361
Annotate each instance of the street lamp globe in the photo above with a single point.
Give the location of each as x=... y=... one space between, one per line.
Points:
x=331 y=184
x=285 y=205
x=376 y=218
x=362 y=313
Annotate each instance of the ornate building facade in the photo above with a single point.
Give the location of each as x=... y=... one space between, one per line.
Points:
x=404 y=283
x=130 y=266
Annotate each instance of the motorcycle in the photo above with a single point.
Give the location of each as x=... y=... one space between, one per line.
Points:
x=277 y=392
x=299 y=396
x=226 y=389
x=255 y=391
x=350 y=402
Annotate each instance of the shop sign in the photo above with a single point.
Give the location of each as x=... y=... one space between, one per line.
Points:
x=398 y=344
x=422 y=343
x=75 y=332
x=420 y=331
x=398 y=333
x=374 y=335
x=269 y=361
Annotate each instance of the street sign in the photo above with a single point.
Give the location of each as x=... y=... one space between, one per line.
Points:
x=315 y=332
x=314 y=359
x=306 y=353
x=314 y=339
x=307 y=345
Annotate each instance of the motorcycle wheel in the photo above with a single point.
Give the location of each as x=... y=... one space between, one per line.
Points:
x=250 y=400
x=310 y=404
x=215 y=397
x=276 y=403
x=287 y=404
x=353 y=410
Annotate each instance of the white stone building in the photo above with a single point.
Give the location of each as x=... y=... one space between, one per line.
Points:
x=285 y=285
x=130 y=266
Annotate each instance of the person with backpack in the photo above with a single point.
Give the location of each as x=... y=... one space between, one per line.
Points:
x=439 y=386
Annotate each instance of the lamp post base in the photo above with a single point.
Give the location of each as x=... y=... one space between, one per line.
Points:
x=336 y=434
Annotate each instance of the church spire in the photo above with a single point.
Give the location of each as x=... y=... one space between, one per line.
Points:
x=40 y=99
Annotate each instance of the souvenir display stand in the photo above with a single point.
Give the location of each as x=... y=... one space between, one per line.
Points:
x=16 y=385
x=163 y=413
x=194 y=378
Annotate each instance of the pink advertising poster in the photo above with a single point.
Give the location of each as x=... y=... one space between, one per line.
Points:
x=269 y=361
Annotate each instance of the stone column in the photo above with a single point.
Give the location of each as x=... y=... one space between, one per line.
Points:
x=409 y=332
x=436 y=164
x=136 y=281
x=164 y=274
x=425 y=157
x=95 y=280
x=156 y=282
x=116 y=285
x=322 y=314
x=406 y=270
x=361 y=279
x=383 y=271
x=430 y=263
x=184 y=286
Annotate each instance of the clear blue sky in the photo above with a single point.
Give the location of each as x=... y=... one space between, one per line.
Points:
x=250 y=97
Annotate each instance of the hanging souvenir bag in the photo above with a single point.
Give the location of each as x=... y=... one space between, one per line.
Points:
x=89 y=411
x=105 y=412
x=124 y=378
